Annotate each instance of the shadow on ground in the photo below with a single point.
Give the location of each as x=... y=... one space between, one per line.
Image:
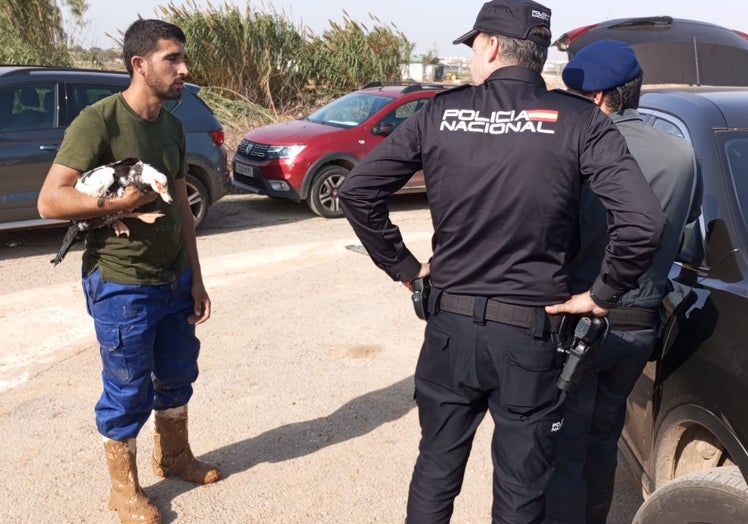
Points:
x=353 y=419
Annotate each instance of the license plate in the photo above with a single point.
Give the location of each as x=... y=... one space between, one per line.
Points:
x=246 y=170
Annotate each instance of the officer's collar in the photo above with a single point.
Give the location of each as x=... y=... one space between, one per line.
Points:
x=627 y=115
x=517 y=73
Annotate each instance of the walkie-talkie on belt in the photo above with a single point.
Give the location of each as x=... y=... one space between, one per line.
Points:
x=588 y=334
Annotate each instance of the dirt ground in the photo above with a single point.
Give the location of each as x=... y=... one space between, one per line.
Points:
x=305 y=392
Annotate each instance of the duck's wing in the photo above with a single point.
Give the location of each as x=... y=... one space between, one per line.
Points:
x=96 y=182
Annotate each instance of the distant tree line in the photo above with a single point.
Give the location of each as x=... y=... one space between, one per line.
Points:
x=244 y=56
x=31 y=31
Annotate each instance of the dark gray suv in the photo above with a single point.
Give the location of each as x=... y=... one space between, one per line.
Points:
x=38 y=103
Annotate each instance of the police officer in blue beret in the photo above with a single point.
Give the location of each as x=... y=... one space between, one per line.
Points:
x=581 y=488
x=504 y=161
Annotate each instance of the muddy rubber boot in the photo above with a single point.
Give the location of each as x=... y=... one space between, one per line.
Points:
x=126 y=497
x=172 y=455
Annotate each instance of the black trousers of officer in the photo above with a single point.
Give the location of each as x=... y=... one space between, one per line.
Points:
x=465 y=368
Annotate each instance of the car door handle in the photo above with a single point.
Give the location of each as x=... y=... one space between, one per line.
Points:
x=49 y=147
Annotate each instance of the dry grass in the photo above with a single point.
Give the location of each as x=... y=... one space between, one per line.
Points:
x=233 y=133
x=260 y=56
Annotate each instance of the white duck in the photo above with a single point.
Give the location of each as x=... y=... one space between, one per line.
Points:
x=109 y=181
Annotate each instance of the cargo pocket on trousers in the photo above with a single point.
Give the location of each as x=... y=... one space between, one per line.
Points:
x=113 y=357
x=433 y=361
x=528 y=383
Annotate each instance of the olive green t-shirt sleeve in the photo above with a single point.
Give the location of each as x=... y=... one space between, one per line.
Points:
x=84 y=145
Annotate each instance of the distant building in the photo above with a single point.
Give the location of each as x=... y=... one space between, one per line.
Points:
x=554 y=67
x=413 y=71
x=451 y=69
x=419 y=72
x=446 y=69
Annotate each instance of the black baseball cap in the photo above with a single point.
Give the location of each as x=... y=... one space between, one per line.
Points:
x=513 y=18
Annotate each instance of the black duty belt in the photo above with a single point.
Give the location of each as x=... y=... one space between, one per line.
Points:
x=495 y=311
x=632 y=318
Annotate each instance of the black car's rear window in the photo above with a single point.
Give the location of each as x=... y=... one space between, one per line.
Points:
x=735 y=147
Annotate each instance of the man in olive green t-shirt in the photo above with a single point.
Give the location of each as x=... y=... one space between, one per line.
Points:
x=144 y=290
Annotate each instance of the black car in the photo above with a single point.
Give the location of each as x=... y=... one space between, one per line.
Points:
x=38 y=103
x=686 y=432
x=672 y=50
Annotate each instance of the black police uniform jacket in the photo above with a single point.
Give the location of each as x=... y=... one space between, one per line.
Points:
x=504 y=163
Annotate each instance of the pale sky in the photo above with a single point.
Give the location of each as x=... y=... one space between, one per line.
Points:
x=430 y=24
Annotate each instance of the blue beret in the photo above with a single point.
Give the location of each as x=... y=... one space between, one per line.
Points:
x=600 y=66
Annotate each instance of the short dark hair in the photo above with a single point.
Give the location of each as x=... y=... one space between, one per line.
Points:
x=625 y=96
x=141 y=38
x=527 y=53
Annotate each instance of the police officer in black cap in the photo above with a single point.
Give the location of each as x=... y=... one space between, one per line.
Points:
x=504 y=162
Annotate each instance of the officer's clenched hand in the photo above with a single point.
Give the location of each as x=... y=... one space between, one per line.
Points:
x=423 y=273
x=577 y=305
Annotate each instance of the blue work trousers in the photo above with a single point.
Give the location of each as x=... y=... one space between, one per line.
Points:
x=581 y=488
x=464 y=369
x=148 y=350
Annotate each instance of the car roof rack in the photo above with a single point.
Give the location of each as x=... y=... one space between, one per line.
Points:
x=25 y=69
x=409 y=86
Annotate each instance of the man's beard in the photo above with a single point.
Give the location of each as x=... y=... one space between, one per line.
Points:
x=163 y=90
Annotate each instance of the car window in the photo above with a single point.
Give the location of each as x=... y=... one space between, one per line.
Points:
x=28 y=107
x=405 y=110
x=692 y=250
x=401 y=112
x=349 y=110
x=735 y=146
x=82 y=95
x=668 y=127
x=665 y=122
x=692 y=244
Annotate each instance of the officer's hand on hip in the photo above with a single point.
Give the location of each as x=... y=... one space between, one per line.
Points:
x=423 y=273
x=577 y=305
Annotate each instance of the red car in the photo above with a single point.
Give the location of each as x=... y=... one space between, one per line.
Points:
x=308 y=159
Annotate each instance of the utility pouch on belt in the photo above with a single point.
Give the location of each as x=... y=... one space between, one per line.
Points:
x=578 y=350
x=421 y=288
